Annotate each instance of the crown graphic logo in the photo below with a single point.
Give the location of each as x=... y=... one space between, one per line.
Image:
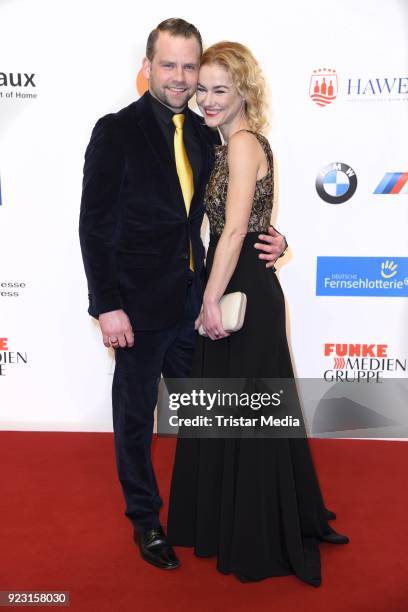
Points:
x=323 y=86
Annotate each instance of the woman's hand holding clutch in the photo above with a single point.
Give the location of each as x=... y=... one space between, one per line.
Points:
x=210 y=319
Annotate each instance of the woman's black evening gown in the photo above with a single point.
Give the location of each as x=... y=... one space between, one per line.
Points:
x=254 y=503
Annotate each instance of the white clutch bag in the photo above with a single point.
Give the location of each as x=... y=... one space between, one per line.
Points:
x=233 y=306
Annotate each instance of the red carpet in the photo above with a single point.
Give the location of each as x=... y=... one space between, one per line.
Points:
x=63 y=528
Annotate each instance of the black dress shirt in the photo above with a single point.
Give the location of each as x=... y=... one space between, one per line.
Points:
x=164 y=116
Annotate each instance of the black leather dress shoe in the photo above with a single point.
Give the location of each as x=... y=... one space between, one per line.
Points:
x=330 y=516
x=333 y=537
x=155 y=549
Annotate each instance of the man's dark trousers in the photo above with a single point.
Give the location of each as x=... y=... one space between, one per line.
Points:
x=134 y=396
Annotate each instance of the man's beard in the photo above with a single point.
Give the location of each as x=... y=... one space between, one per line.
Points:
x=163 y=96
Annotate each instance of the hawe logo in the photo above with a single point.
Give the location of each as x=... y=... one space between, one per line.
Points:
x=8 y=357
x=362 y=276
x=336 y=183
x=323 y=87
x=393 y=183
x=385 y=87
x=360 y=362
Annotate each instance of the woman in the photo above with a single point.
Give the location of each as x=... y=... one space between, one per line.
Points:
x=254 y=503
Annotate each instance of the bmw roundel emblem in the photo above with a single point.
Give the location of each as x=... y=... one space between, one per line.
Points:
x=336 y=183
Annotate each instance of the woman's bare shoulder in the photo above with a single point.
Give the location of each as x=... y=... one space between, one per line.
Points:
x=244 y=144
x=244 y=148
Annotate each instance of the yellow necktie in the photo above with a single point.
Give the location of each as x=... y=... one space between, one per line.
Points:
x=184 y=170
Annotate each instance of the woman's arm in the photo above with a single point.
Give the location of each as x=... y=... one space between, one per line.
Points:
x=244 y=159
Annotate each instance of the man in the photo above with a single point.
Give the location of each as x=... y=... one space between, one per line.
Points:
x=145 y=173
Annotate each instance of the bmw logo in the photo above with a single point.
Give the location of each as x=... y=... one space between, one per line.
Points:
x=336 y=183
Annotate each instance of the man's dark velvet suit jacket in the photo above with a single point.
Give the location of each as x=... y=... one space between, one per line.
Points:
x=134 y=229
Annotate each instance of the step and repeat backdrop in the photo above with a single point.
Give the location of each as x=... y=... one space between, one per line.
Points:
x=338 y=78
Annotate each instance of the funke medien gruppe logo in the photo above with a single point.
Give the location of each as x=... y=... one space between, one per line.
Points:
x=362 y=276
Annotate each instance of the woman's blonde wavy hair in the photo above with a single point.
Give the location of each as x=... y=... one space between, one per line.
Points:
x=247 y=77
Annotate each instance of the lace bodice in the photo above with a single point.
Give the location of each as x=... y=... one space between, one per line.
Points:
x=217 y=187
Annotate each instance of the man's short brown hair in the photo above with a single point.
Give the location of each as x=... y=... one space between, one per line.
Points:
x=175 y=27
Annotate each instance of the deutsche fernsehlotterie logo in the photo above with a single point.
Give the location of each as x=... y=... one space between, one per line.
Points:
x=362 y=276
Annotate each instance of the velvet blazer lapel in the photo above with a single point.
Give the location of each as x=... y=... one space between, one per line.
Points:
x=151 y=130
x=148 y=124
x=206 y=160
